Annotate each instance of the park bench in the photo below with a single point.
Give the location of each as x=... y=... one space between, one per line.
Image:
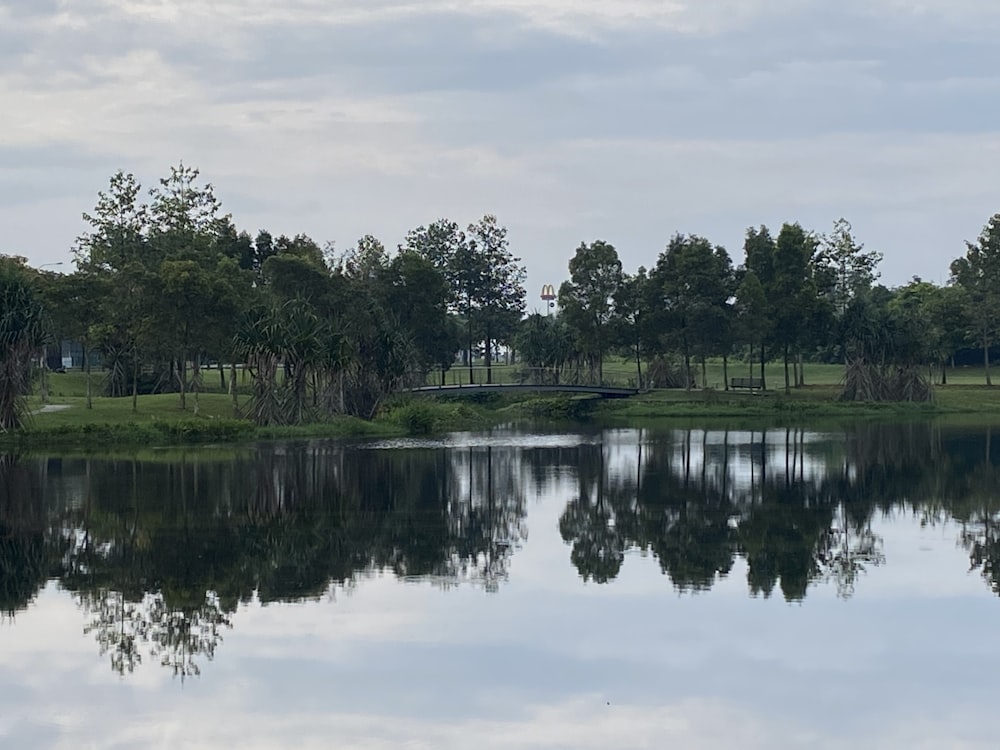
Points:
x=750 y=383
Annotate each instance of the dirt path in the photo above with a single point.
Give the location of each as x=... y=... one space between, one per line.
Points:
x=51 y=408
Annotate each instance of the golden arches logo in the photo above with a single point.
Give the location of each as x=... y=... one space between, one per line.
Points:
x=548 y=292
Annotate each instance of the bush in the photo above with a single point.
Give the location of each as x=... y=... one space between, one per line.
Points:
x=416 y=417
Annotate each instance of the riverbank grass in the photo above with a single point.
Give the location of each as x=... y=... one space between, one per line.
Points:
x=159 y=420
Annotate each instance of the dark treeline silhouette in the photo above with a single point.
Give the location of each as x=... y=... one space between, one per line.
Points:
x=165 y=284
x=159 y=554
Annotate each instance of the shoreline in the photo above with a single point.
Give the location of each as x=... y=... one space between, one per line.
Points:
x=73 y=427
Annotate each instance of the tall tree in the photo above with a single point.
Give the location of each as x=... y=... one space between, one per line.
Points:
x=846 y=267
x=496 y=285
x=759 y=248
x=418 y=295
x=689 y=289
x=445 y=246
x=978 y=273
x=630 y=316
x=118 y=228
x=752 y=320
x=792 y=294
x=195 y=276
x=587 y=299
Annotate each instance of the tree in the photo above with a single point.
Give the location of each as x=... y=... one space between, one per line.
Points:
x=494 y=282
x=752 y=320
x=418 y=294
x=847 y=269
x=759 y=248
x=76 y=303
x=950 y=312
x=544 y=343
x=181 y=212
x=587 y=300
x=196 y=278
x=119 y=226
x=978 y=273
x=630 y=316
x=197 y=299
x=22 y=332
x=689 y=291
x=445 y=246
x=791 y=294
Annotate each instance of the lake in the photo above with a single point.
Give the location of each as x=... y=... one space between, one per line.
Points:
x=653 y=588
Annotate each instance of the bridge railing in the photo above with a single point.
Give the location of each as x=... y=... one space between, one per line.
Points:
x=523 y=375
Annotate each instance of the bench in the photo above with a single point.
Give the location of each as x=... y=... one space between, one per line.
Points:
x=750 y=383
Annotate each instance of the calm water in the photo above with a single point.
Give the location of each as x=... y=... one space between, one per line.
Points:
x=632 y=589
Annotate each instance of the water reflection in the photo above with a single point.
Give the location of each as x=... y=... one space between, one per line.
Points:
x=159 y=554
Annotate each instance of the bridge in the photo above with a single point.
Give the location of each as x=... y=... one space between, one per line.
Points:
x=603 y=391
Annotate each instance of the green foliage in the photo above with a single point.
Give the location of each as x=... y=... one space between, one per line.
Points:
x=416 y=417
x=155 y=432
x=978 y=274
x=22 y=333
x=688 y=297
x=558 y=408
x=587 y=300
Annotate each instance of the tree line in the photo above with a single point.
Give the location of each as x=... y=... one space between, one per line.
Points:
x=165 y=282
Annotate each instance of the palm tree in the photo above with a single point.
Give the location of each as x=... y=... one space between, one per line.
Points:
x=21 y=335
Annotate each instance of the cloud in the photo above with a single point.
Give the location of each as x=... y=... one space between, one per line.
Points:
x=571 y=120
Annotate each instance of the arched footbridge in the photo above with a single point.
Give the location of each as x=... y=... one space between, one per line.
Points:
x=603 y=391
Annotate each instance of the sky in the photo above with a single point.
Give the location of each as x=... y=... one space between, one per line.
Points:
x=570 y=120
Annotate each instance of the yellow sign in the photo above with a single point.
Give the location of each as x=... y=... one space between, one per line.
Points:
x=548 y=292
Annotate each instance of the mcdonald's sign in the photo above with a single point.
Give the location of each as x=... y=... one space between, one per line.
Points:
x=548 y=292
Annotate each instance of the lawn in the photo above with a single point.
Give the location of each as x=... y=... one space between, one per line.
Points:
x=160 y=418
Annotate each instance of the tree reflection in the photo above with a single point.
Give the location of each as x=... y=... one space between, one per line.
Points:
x=160 y=554
x=798 y=511
x=846 y=550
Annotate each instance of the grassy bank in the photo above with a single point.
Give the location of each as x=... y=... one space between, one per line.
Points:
x=159 y=420
x=66 y=422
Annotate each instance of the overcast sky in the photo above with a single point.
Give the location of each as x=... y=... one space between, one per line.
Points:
x=571 y=120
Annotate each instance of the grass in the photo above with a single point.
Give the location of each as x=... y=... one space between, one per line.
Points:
x=159 y=419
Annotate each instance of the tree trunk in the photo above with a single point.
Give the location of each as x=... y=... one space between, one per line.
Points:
x=787 y=383
x=704 y=373
x=489 y=356
x=802 y=371
x=43 y=383
x=986 y=361
x=638 y=367
x=222 y=377
x=944 y=372
x=687 y=367
x=86 y=369
x=232 y=389
x=725 y=371
x=763 y=382
x=135 y=385
x=195 y=381
x=182 y=376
